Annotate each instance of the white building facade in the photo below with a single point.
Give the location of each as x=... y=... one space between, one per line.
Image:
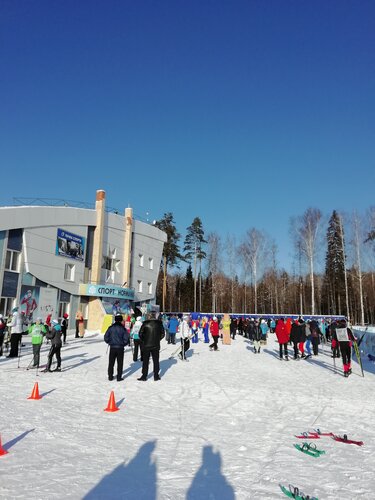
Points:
x=61 y=259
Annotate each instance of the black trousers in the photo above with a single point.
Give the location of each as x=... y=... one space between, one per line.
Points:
x=346 y=352
x=136 y=348
x=63 y=333
x=2 y=335
x=77 y=329
x=155 y=359
x=285 y=349
x=55 y=350
x=185 y=344
x=215 y=341
x=315 y=344
x=115 y=354
x=36 y=353
x=15 y=339
x=295 y=348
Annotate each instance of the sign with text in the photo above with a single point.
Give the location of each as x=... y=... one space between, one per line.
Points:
x=112 y=291
x=70 y=245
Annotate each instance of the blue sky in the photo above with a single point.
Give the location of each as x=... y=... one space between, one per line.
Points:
x=243 y=113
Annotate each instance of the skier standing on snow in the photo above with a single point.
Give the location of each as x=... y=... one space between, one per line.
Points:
x=117 y=337
x=205 y=326
x=135 y=337
x=150 y=335
x=214 y=330
x=282 y=338
x=37 y=331
x=345 y=338
x=54 y=335
x=184 y=331
x=257 y=336
x=233 y=328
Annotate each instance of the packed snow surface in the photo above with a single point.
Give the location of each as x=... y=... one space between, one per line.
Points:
x=221 y=426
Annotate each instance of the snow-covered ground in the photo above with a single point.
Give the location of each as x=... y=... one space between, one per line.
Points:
x=221 y=426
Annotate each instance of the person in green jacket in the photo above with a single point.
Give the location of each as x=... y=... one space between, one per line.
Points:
x=37 y=332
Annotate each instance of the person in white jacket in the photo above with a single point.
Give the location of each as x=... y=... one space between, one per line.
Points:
x=16 y=329
x=184 y=331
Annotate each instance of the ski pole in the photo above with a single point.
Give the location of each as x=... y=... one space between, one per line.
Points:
x=19 y=353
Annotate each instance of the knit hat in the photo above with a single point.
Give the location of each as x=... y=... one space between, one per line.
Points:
x=15 y=309
x=118 y=318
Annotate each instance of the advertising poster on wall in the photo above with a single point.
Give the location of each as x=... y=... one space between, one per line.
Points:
x=70 y=245
x=117 y=306
x=47 y=302
x=29 y=302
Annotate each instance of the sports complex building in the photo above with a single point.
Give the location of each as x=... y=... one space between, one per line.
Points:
x=64 y=259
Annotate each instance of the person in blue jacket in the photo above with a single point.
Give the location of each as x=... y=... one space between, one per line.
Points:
x=172 y=328
x=117 y=337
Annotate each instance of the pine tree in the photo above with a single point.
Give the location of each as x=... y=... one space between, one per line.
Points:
x=171 y=251
x=193 y=248
x=335 y=265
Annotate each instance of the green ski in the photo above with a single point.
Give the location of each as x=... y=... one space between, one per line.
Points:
x=309 y=449
x=358 y=355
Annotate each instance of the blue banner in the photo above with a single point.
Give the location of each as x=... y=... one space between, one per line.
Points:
x=70 y=245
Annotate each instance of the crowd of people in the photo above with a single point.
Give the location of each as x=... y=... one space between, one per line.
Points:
x=144 y=335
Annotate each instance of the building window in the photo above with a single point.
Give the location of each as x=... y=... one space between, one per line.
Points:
x=6 y=306
x=12 y=261
x=151 y=263
x=149 y=287
x=10 y=284
x=140 y=286
x=69 y=272
x=141 y=260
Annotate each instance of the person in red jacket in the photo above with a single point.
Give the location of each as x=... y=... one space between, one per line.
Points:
x=214 y=330
x=282 y=338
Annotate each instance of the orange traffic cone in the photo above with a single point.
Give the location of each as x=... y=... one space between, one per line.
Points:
x=112 y=403
x=35 y=392
x=2 y=451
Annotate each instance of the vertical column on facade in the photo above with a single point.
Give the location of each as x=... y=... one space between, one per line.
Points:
x=96 y=315
x=128 y=245
x=97 y=252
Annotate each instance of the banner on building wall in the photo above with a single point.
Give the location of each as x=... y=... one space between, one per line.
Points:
x=29 y=302
x=116 y=306
x=48 y=302
x=70 y=245
x=107 y=291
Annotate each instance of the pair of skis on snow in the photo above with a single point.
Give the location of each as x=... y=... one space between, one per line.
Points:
x=317 y=435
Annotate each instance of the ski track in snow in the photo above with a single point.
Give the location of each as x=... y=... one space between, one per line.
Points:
x=221 y=426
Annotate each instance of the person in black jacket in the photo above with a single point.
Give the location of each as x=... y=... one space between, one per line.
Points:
x=64 y=326
x=150 y=335
x=117 y=337
x=54 y=335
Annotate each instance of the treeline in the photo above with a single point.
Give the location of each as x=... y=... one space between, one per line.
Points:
x=333 y=270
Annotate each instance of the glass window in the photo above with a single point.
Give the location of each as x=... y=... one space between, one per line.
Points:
x=141 y=259
x=69 y=272
x=149 y=286
x=10 y=284
x=151 y=263
x=15 y=239
x=12 y=260
x=6 y=306
x=140 y=286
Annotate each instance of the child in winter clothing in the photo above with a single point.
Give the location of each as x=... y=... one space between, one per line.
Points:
x=345 y=339
x=184 y=331
x=54 y=335
x=136 y=341
x=37 y=332
x=214 y=330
